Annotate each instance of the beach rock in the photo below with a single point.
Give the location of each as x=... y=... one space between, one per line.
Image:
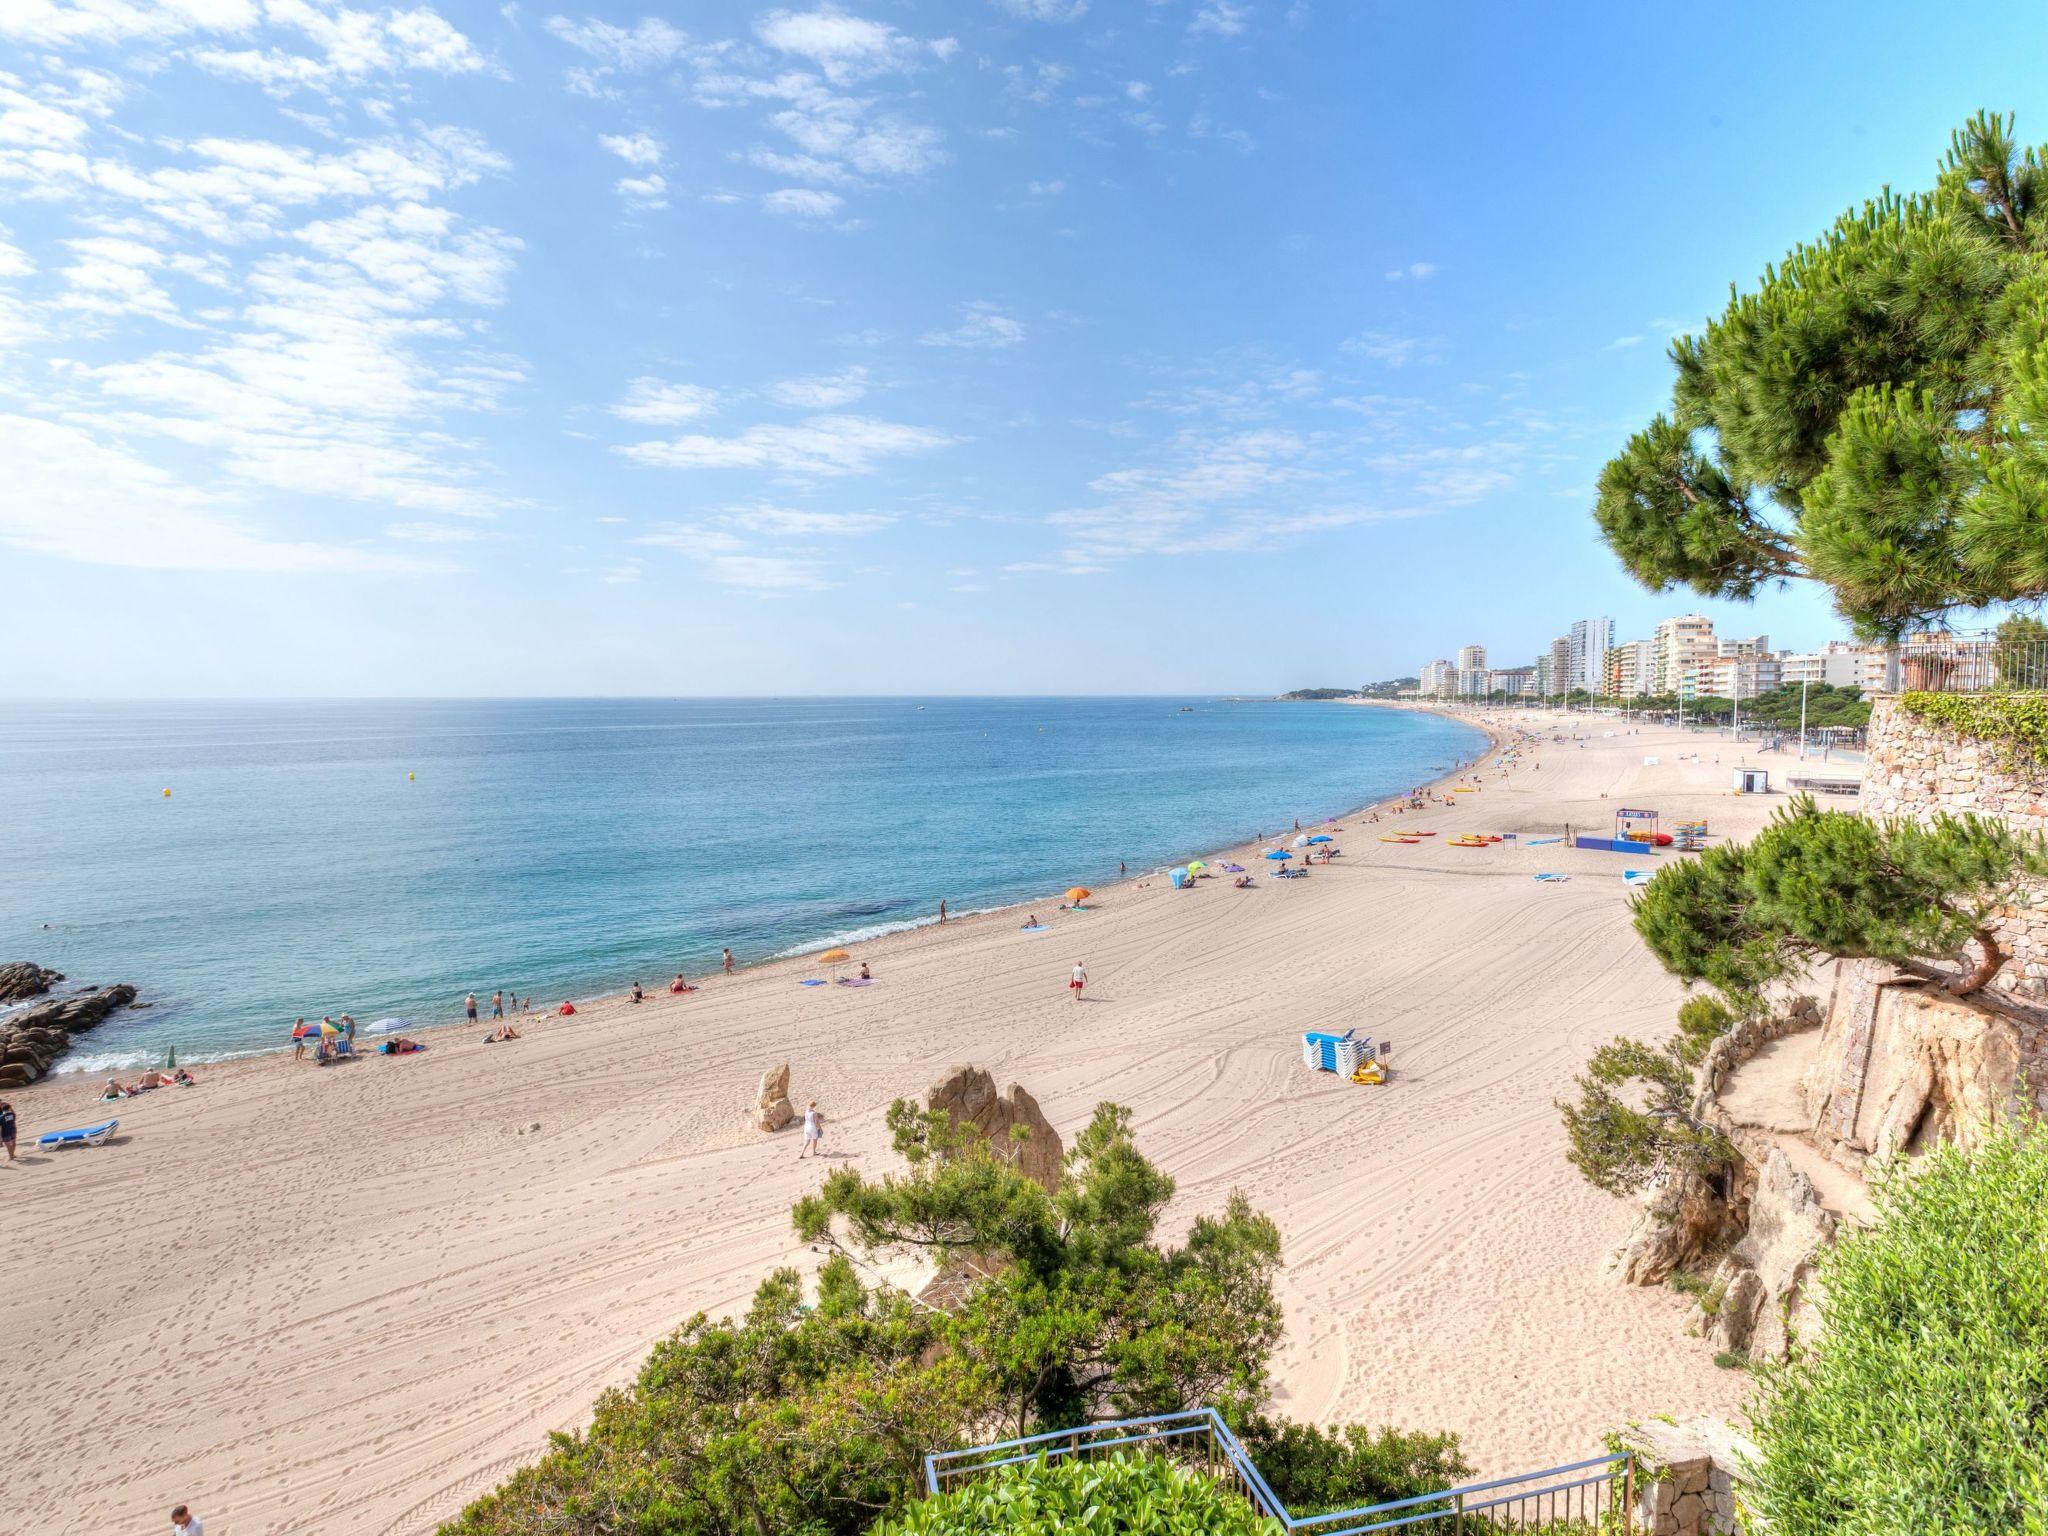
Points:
x=968 y=1095
x=22 y=978
x=33 y=1039
x=772 y=1109
x=1761 y=1299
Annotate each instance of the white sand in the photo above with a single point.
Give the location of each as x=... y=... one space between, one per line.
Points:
x=349 y=1300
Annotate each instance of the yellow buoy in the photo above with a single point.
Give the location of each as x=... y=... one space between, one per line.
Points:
x=410 y=777
x=167 y=794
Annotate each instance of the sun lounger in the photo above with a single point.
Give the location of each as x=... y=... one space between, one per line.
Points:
x=84 y=1136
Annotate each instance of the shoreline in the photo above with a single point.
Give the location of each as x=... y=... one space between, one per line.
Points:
x=379 y=1290
x=792 y=956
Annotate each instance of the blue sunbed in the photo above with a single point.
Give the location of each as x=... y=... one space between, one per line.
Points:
x=85 y=1136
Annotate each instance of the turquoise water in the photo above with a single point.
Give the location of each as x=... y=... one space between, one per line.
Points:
x=569 y=847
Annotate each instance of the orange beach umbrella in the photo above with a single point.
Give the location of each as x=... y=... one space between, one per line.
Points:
x=1077 y=895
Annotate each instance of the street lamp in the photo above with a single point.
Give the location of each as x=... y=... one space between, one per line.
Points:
x=1802 y=718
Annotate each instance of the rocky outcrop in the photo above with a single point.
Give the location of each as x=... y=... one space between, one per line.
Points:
x=1759 y=1299
x=22 y=979
x=968 y=1095
x=1904 y=1065
x=772 y=1109
x=32 y=1039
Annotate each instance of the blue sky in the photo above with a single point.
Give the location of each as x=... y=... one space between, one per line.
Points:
x=993 y=346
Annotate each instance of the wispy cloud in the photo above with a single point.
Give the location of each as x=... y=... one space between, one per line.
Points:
x=659 y=403
x=981 y=325
x=819 y=446
x=822 y=392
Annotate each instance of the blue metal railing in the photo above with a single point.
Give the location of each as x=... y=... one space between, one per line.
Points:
x=1596 y=1493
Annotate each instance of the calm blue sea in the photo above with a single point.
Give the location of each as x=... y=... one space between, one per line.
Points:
x=384 y=858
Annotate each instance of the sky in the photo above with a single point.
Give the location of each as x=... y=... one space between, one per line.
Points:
x=992 y=346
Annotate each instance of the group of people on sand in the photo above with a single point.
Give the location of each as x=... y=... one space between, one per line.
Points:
x=149 y=1081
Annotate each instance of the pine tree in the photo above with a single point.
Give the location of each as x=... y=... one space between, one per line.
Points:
x=1871 y=416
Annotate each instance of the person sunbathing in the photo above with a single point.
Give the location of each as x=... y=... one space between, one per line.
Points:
x=567 y=1010
x=501 y=1034
x=679 y=985
x=114 y=1090
x=400 y=1046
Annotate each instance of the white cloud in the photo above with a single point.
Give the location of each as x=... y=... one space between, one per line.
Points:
x=138 y=514
x=1044 y=10
x=1621 y=343
x=982 y=325
x=845 y=47
x=646 y=192
x=352 y=46
x=1220 y=18
x=802 y=203
x=648 y=44
x=768 y=573
x=644 y=150
x=1046 y=188
x=824 y=392
x=821 y=445
x=431 y=533
x=792 y=523
x=1137 y=90
x=1385 y=347
x=1421 y=271
x=657 y=403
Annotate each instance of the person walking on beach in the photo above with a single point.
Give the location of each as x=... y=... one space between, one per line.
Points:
x=728 y=962
x=814 y=1130
x=299 y=1040
x=186 y=1523
x=498 y=1004
x=469 y=1006
x=7 y=1128
x=942 y=911
x=1078 y=979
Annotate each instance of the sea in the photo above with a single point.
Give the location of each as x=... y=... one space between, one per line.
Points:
x=247 y=863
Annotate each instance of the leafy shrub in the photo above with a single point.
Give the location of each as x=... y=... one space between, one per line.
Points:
x=2017 y=723
x=1122 y=1496
x=1313 y=1471
x=1923 y=1405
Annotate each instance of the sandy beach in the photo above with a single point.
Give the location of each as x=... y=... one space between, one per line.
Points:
x=349 y=1300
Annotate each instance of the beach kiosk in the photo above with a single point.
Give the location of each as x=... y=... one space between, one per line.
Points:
x=1752 y=781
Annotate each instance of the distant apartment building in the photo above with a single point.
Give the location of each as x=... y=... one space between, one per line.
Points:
x=1512 y=681
x=1837 y=664
x=1472 y=681
x=1472 y=658
x=1437 y=680
x=1590 y=641
x=1755 y=645
x=1681 y=644
x=1562 y=678
x=1739 y=676
x=1630 y=670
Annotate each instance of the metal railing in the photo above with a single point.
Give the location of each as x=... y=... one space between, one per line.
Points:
x=1969 y=661
x=1594 y=1497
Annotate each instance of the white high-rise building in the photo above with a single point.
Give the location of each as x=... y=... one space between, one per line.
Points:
x=1591 y=640
x=1437 y=680
x=1839 y=664
x=1682 y=643
x=1472 y=658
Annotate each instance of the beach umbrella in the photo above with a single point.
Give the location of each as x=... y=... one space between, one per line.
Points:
x=1301 y=841
x=386 y=1027
x=1180 y=877
x=302 y=1031
x=1278 y=853
x=834 y=958
x=1077 y=895
x=1322 y=838
x=329 y=1029
x=1196 y=866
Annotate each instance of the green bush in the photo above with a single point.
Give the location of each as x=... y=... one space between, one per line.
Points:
x=1141 y=1496
x=1313 y=1471
x=2016 y=723
x=1923 y=1405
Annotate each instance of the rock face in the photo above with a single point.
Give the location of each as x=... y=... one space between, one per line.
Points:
x=1902 y=1067
x=21 y=978
x=1760 y=1299
x=772 y=1109
x=1681 y=1220
x=33 y=1039
x=969 y=1096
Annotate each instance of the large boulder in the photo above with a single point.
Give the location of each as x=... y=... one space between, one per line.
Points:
x=23 y=978
x=772 y=1109
x=968 y=1096
x=1761 y=1298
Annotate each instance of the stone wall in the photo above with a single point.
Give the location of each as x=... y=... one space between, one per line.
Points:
x=1918 y=767
x=1689 y=1476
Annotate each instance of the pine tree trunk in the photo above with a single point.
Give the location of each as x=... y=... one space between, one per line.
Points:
x=1963 y=983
